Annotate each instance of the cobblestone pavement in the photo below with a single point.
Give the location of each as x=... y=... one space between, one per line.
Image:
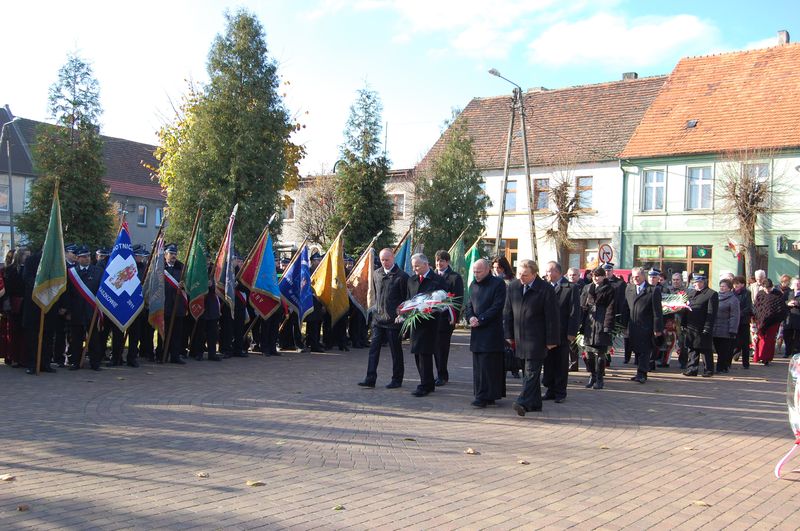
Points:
x=121 y=449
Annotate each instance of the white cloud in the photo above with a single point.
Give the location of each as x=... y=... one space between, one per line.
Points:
x=763 y=43
x=614 y=40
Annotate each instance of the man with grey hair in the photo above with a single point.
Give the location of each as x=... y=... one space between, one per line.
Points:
x=530 y=321
x=761 y=280
x=423 y=335
x=643 y=316
x=556 y=364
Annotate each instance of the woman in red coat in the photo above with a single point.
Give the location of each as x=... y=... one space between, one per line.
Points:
x=770 y=311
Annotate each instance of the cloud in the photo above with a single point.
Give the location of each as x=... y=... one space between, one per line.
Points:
x=763 y=43
x=614 y=40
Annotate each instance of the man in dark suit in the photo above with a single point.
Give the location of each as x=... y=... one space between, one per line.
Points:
x=174 y=301
x=453 y=284
x=699 y=326
x=390 y=285
x=791 y=327
x=80 y=311
x=556 y=364
x=643 y=315
x=484 y=314
x=423 y=336
x=530 y=319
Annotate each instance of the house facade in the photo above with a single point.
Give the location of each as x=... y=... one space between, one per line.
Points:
x=717 y=118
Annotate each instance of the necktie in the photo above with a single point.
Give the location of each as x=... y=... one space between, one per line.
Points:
x=421 y=278
x=525 y=289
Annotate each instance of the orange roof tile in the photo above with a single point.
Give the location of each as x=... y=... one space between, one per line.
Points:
x=741 y=100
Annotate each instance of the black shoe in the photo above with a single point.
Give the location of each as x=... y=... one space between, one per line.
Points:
x=96 y=368
x=548 y=397
x=317 y=348
x=276 y=353
x=392 y=385
x=591 y=382
x=214 y=357
x=708 y=374
x=369 y=385
x=560 y=400
x=421 y=392
x=639 y=378
x=515 y=374
x=178 y=361
x=198 y=357
x=625 y=362
x=490 y=403
x=479 y=404
x=440 y=382
x=519 y=408
x=74 y=367
x=133 y=363
x=663 y=365
x=30 y=371
x=690 y=373
x=47 y=369
x=573 y=367
x=241 y=355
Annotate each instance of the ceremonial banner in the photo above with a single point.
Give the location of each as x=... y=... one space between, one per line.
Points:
x=403 y=256
x=51 y=276
x=457 y=259
x=359 y=283
x=153 y=289
x=224 y=273
x=470 y=258
x=119 y=296
x=259 y=276
x=195 y=275
x=295 y=285
x=328 y=281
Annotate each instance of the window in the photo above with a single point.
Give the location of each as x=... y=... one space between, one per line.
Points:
x=159 y=216
x=511 y=196
x=141 y=215
x=288 y=208
x=398 y=205
x=700 y=190
x=759 y=170
x=541 y=194
x=653 y=190
x=583 y=189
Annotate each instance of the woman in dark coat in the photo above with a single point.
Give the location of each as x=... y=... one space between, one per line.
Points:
x=726 y=325
x=598 y=325
x=502 y=269
x=770 y=311
x=484 y=315
x=741 y=346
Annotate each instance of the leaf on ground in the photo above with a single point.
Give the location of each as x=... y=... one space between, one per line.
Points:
x=24 y=507
x=412 y=439
x=471 y=451
x=280 y=443
x=7 y=477
x=338 y=507
x=689 y=448
x=701 y=503
x=255 y=483
x=604 y=447
x=652 y=411
x=149 y=372
x=523 y=462
x=120 y=377
x=202 y=474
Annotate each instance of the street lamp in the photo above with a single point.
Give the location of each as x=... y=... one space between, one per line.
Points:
x=516 y=101
x=10 y=191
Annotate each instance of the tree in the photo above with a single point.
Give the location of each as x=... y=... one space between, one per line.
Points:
x=230 y=141
x=748 y=191
x=71 y=153
x=361 y=178
x=450 y=195
x=565 y=208
x=315 y=209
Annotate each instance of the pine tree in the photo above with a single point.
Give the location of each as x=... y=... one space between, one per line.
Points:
x=230 y=143
x=450 y=197
x=362 y=176
x=70 y=152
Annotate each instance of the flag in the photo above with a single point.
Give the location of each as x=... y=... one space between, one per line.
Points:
x=259 y=276
x=195 y=273
x=470 y=258
x=359 y=283
x=119 y=296
x=457 y=259
x=403 y=256
x=224 y=274
x=295 y=285
x=51 y=277
x=153 y=289
x=328 y=281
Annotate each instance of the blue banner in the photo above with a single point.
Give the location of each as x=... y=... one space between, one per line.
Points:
x=403 y=257
x=119 y=296
x=295 y=285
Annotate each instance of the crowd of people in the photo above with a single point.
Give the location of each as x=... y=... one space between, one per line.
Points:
x=537 y=323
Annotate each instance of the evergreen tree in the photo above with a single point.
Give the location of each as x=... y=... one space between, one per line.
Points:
x=71 y=152
x=450 y=197
x=363 y=173
x=230 y=144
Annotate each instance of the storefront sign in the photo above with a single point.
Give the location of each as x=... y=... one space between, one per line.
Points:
x=648 y=252
x=675 y=252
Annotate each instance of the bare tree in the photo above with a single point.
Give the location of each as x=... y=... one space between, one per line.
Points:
x=315 y=208
x=747 y=182
x=565 y=208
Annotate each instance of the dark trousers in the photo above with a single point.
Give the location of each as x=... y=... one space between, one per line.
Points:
x=694 y=359
x=628 y=350
x=392 y=335
x=556 y=370
x=488 y=376
x=226 y=331
x=57 y=346
x=574 y=356
x=643 y=358
x=443 y=352
x=683 y=353
x=135 y=337
x=117 y=339
x=32 y=341
x=424 y=361
x=205 y=339
x=531 y=396
x=313 y=331
x=176 y=341
x=724 y=348
x=269 y=332
x=77 y=337
x=791 y=339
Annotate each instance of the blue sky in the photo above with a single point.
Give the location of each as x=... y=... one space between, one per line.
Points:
x=423 y=57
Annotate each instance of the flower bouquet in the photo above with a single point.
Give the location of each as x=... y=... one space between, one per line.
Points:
x=674 y=302
x=424 y=306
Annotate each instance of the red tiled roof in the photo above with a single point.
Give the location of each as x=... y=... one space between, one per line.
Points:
x=588 y=123
x=741 y=100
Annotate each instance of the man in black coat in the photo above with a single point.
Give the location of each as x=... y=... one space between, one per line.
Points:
x=484 y=314
x=699 y=326
x=574 y=277
x=556 y=364
x=174 y=301
x=643 y=315
x=80 y=311
x=31 y=314
x=530 y=319
x=423 y=336
x=791 y=327
x=453 y=284
x=390 y=285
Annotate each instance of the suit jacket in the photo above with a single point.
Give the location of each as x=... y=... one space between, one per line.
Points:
x=79 y=310
x=643 y=315
x=486 y=302
x=568 y=298
x=453 y=284
x=792 y=320
x=391 y=290
x=423 y=336
x=171 y=294
x=531 y=320
x=699 y=323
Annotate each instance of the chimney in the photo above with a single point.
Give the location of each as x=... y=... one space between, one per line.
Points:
x=537 y=89
x=627 y=76
x=783 y=37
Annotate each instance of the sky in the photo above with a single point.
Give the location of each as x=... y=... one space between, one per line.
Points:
x=423 y=57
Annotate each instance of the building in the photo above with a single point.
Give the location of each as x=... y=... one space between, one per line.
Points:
x=716 y=117
x=574 y=135
x=127 y=176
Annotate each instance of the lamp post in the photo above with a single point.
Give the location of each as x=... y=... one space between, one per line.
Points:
x=10 y=186
x=516 y=101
